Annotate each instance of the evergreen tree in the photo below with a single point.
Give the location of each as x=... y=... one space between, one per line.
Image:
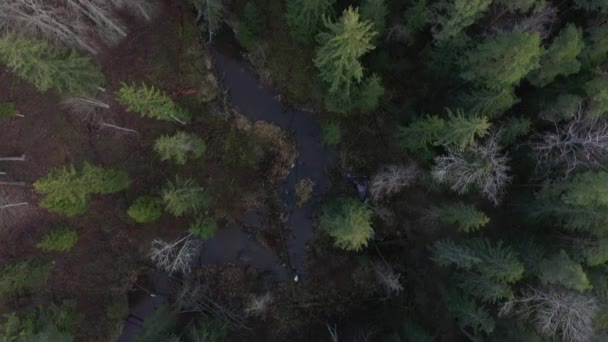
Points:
x=332 y=134
x=305 y=17
x=596 y=49
x=514 y=128
x=348 y=221
x=51 y=322
x=47 y=67
x=417 y=136
x=595 y=253
x=58 y=240
x=369 y=94
x=251 y=25
x=184 y=196
x=468 y=313
x=487 y=102
x=145 y=209
x=25 y=275
x=504 y=61
x=204 y=228
x=417 y=17
x=151 y=103
x=465 y=216
x=341 y=47
x=211 y=12
x=451 y=17
x=560 y=269
x=522 y=6
x=460 y=131
x=592 y=5
x=561 y=57
x=179 y=147
x=447 y=253
x=8 y=110
x=597 y=90
x=375 y=11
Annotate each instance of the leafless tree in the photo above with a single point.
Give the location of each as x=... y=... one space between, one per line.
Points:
x=482 y=166
x=555 y=312
x=388 y=278
x=582 y=143
x=176 y=256
x=259 y=305
x=391 y=179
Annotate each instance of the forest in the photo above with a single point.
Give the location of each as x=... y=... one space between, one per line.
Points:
x=303 y=170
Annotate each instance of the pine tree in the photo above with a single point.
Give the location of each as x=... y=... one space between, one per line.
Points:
x=25 y=275
x=211 y=12
x=597 y=90
x=461 y=131
x=59 y=240
x=341 y=47
x=145 y=209
x=369 y=94
x=560 y=269
x=596 y=49
x=68 y=191
x=465 y=216
x=152 y=103
x=447 y=253
x=513 y=129
x=451 y=17
x=487 y=102
x=468 y=313
x=184 y=196
x=561 y=57
x=417 y=17
x=503 y=61
x=47 y=67
x=348 y=221
x=179 y=147
x=305 y=18
x=375 y=11
x=595 y=253
x=417 y=136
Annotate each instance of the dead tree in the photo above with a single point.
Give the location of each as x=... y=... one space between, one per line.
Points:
x=259 y=305
x=388 y=278
x=175 y=257
x=391 y=179
x=20 y=158
x=12 y=207
x=556 y=313
x=581 y=143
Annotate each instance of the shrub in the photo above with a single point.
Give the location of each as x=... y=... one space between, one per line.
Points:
x=151 y=103
x=58 y=240
x=204 y=228
x=145 y=209
x=25 y=275
x=348 y=221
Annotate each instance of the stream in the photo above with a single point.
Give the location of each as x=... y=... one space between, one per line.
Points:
x=233 y=244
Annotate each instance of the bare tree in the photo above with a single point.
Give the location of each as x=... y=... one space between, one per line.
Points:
x=391 y=179
x=388 y=278
x=259 y=305
x=481 y=166
x=176 y=256
x=555 y=312
x=581 y=143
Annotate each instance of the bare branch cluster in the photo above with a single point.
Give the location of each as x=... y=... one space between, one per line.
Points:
x=482 y=166
x=75 y=23
x=388 y=278
x=582 y=143
x=555 y=312
x=176 y=256
x=391 y=179
x=259 y=305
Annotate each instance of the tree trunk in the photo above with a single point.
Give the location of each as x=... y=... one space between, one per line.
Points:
x=20 y=159
x=24 y=184
x=13 y=205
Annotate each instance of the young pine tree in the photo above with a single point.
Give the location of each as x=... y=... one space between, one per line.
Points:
x=561 y=57
x=349 y=222
x=464 y=216
x=47 y=67
x=338 y=57
x=58 y=240
x=184 y=196
x=503 y=61
x=451 y=17
x=179 y=147
x=146 y=209
x=151 y=103
x=305 y=18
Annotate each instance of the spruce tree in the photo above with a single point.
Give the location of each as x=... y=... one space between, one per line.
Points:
x=468 y=313
x=203 y=227
x=184 y=196
x=145 y=209
x=47 y=67
x=416 y=137
x=592 y=5
x=305 y=17
x=58 y=240
x=560 y=269
x=561 y=57
x=338 y=57
x=503 y=61
x=151 y=102
x=597 y=91
x=179 y=147
x=596 y=49
x=451 y=17
x=376 y=12
x=521 y=6
x=461 y=131
x=210 y=11
x=348 y=221
x=464 y=216
x=487 y=102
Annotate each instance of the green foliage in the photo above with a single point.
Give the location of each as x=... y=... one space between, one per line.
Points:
x=369 y=94
x=465 y=216
x=560 y=269
x=447 y=253
x=58 y=240
x=451 y=17
x=561 y=57
x=204 y=228
x=47 y=67
x=145 y=209
x=412 y=332
x=341 y=47
x=179 y=147
x=417 y=16
x=68 y=191
x=305 y=18
x=184 y=196
x=592 y=5
x=504 y=61
x=207 y=331
x=332 y=134
x=492 y=103
x=596 y=50
x=417 y=136
x=514 y=128
x=52 y=323
x=596 y=252
x=211 y=12
x=251 y=25
x=159 y=326
x=597 y=90
x=25 y=275
x=461 y=131
x=468 y=313
x=376 y=12
x=349 y=222
x=8 y=110
x=151 y=103
x=564 y=107
x=521 y=6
